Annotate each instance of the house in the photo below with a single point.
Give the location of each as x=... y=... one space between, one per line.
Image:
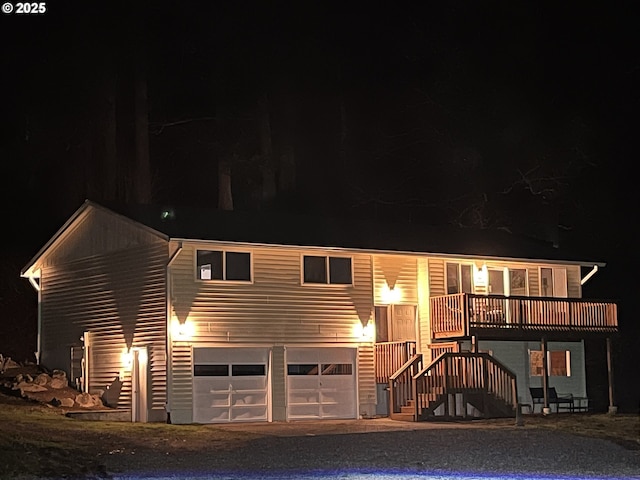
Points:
x=215 y=316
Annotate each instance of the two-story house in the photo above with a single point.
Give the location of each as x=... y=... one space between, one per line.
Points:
x=214 y=316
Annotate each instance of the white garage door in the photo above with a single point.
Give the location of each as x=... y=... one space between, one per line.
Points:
x=321 y=383
x=230 y=385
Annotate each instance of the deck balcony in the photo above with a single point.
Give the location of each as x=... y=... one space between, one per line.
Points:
x=497 y=317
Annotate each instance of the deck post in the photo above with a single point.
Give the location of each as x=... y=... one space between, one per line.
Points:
x=545 y=375
x=612 y=408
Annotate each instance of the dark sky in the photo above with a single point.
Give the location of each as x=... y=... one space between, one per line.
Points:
x=499 y=114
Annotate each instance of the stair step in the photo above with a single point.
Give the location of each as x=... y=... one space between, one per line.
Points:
x=402 y=417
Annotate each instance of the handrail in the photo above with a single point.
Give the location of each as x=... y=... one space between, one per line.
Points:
x=390 y=356
x=464 y=372
x=401 y=384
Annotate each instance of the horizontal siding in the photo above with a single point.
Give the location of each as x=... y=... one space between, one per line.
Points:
x=366 y=381
x=436 y=277
x=397 y=272
x=276 y=307
x=120 y=299
x=424 y=324
x=96 y=233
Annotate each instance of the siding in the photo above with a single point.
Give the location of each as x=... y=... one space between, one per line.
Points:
x=274 y=310
x=515 y=355
x=395 y=272
x=366 y=381
x=118 y=296
x=424 y=323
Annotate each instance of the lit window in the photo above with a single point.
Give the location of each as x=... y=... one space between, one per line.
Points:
x=221 y=265
x=332 y=270
x=558 y=363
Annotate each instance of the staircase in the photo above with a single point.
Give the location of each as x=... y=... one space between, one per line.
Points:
x=454 y=386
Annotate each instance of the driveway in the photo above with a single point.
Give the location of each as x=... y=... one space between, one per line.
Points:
x=381 y=448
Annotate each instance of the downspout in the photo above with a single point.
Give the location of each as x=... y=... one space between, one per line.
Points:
x=589 y=275
x=36 y=285
x=169 y=343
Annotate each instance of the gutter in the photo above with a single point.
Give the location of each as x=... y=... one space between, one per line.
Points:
x=586 y=278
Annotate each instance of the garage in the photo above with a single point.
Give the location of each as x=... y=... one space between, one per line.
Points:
x=230 y=385
x=321 y=383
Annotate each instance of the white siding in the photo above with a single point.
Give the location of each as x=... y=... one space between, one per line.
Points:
x=275 y=309
x=120 y=298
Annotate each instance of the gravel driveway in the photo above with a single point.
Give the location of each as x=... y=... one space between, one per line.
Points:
x=378 y=449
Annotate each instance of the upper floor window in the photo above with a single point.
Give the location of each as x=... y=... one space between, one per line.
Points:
x=459 y=278
x=327 y=270
x=223 y=265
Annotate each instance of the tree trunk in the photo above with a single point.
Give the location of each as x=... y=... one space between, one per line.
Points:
x=266 y=153
x=142 y=174
x=225 y=197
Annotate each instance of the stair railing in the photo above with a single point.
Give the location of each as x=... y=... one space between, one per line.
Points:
x=402 y=385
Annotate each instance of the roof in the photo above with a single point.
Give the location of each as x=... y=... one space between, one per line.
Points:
x=300 y=230
x=267 y=228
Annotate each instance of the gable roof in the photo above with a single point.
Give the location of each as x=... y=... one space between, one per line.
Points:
x=300 y=230
x=177 y=223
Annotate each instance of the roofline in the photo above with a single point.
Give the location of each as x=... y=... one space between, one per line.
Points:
x=86 y=205
x=582 y=263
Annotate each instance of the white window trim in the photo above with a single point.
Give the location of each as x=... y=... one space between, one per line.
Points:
x=326 y=264
x=224 y=266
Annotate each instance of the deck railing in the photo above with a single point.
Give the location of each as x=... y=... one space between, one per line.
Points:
x=390 y=356
x=456 y=315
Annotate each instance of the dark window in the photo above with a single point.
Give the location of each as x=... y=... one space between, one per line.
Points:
x=212 y=265
x=209 y=265
x=247 y=370
x=340 y=270
x=211 y=370
x=238 y=266
x=302 y=369
x=315 y=269
x=467 y=279
x=336 y=369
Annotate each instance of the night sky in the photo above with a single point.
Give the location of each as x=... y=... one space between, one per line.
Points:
x=512 y=115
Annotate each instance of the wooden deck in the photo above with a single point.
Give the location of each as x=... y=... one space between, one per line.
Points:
x=525 y=318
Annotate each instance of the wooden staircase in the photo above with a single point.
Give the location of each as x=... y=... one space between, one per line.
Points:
x=454 y=386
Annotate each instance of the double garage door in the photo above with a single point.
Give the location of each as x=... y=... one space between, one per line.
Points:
x=232 y=384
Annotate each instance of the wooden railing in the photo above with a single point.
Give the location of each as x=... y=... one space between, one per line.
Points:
x=402 y=384
x=456 y=315
x=464 y=373
x=390 y=357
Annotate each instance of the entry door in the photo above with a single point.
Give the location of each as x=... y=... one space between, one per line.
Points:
x=139 y=369
x=403 y=323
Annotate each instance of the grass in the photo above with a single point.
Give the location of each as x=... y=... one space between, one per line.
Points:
x=37 y=440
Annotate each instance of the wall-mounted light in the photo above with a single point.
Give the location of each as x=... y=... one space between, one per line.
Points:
x=181 y=331
x=390 y=295
x=364 y=332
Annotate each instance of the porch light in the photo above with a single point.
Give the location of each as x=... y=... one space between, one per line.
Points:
x=126 y=359
x=390 y=295
x=181 y=331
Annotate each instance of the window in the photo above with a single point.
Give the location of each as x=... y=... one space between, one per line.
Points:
x=221 y=265
x=558 y=363
x=332 y=270
x=517 y=282
x=459 y=278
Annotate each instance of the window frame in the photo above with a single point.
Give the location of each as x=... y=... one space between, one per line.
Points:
x=224 y=252
x=550 y=366
x=327 y=266
x=459 y=286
